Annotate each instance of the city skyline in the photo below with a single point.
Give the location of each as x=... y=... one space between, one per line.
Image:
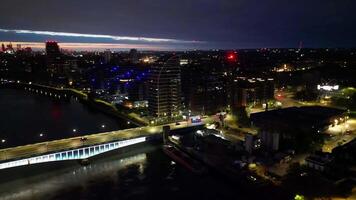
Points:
x=178 y=99
x=76 y=46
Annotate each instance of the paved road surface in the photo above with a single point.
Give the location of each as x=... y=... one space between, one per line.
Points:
x=341 y=134
x=76 y=142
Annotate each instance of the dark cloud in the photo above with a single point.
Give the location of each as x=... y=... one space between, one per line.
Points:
x=224 y=23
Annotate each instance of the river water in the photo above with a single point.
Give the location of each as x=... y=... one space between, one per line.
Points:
x=144 y=173
x=27 y=118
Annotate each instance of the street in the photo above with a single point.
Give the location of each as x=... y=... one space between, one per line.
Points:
x=76 y=142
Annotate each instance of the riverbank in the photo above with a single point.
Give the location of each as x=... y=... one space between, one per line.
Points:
x=67 y=93
x=27 y=118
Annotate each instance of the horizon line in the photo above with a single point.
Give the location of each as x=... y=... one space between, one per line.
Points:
x=90 y=46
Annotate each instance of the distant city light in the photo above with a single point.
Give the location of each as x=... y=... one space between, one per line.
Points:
x=183 y=62
x=299 y=197
x=231 y=56
x=328 y=87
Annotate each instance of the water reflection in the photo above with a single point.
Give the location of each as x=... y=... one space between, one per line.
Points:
x=45 y=188
x=141 y=173
x=28 y=118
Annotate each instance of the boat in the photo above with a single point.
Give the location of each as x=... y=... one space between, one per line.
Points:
x=184 y=159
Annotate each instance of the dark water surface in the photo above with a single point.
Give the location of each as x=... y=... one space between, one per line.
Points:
x=25 y=116
x=143 y=173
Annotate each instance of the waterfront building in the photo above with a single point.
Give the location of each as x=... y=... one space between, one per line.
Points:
x=165 y=87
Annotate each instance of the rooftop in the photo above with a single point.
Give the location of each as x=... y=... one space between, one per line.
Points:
x=297 y=115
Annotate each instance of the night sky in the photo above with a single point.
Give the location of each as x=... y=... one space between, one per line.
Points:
x=201 y=24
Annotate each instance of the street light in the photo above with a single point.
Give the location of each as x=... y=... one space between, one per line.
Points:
x=74 y=130
x=103 y=126
x=41 y=134
x=3 y=141
x=83 y=139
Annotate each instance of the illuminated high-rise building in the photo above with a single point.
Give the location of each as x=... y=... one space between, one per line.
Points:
x=165 y=88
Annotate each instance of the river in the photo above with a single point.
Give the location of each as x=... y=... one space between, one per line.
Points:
x=28 y=118
x=144 y=173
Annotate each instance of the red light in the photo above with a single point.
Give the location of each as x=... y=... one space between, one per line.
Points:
x=279 y=96
x=231 y=56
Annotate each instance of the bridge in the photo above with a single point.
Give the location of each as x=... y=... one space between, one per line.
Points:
x=83 y=147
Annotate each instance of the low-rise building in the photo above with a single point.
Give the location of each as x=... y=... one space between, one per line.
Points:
x=319 y=161
x=294 y=127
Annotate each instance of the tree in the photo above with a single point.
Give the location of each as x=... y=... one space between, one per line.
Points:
x=242 y=117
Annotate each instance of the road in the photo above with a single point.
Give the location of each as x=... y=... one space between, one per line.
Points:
x=76 y=142
x=340 y=135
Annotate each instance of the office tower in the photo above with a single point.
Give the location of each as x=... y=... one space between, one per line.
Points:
x=53 y=55
x=55 y=64
x=18 y=47
x=165 y=88
x=133 y=56
x=203 y=88
x=107 y=56
x=9 y=47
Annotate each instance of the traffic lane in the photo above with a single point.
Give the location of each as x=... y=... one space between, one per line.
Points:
x=57 y=145
x=76 y=142
x=337 y=141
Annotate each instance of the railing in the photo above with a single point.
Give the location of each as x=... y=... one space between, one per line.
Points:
x=73 y=154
